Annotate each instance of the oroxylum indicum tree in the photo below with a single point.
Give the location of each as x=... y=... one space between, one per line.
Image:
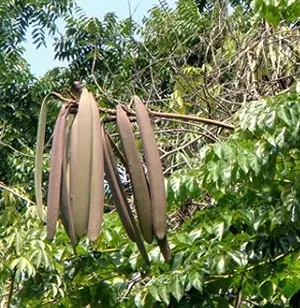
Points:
x=233 y=206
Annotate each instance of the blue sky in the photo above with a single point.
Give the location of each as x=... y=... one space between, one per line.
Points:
x=42 y=59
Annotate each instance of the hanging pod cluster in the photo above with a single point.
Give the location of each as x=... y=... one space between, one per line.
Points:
x=81 y=154
x=149 y=192
x=75 y=190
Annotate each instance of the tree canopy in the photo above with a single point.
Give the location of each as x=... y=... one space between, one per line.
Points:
x=221 y=82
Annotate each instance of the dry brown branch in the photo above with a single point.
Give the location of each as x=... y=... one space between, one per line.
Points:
x=191 y=118
x=11 y=288
x=63 y=99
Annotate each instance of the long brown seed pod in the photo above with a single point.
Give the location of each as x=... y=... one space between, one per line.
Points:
x=97 y=176
x=154 y=168
x=66 y=212
x=137 y=176
x=165 y=249
x=80 y=164
x=119 y=198
x=57 y=153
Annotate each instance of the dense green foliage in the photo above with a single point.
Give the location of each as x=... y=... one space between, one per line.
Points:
x=233 y=196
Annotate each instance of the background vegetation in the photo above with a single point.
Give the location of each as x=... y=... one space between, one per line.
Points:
x=233 y=191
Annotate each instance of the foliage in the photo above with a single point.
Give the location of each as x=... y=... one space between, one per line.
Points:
x=233 y=198
x=19 y=107
x=274 y=12
x=252 y=179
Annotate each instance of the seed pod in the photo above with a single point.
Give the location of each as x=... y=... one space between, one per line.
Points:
x=137 y=176
x=165 y=249
x=57 y=154
x=154 y=168
x=97 y=176
x=38 y=163
x=80 y=164
x=66 y=212
x=119 y=198
x=116 y=189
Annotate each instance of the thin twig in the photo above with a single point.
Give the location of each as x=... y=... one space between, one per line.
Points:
x=3 y=186
x=180 y=148
x=96 y=81
x=15 y=150
x=249 y=268
x=60 y=97
x=238 y=301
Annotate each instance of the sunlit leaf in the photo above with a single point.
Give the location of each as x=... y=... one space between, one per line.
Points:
x=196 y=281
x=177 y=289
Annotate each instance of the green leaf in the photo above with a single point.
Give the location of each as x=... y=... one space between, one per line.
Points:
x=164 y=293
x=19 y=242
x=14 y=263
x=178 y=259
x=270 y=119
x=243 y=162
x=139 y=300
x=252 y=124
x=289 y=286
x=227 y=152
x=54 y=289
x=294 y=114
x=225 y=171
x=221 y=266
x=195 y=234
x=177 y=289
x=22 y=263
x=219 y=230
x=196 y=281
x=285 y=115
x=217 y=148
x=272 y=15
x=266 y=289
x=212 y=167
x=30 y=270
x=254 y=162
x=270 y=139
x=154 y=292
x=175 y=185
x=280 y=138
x=177 y=101
x=239 y=257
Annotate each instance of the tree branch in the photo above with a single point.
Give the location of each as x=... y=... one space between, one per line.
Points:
x=11 y=289
x=238 y=300
x=155 y=114
x=253 y=266
x=15 y=150
x=171 y=116
x=191 y=118
x=3 y=186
